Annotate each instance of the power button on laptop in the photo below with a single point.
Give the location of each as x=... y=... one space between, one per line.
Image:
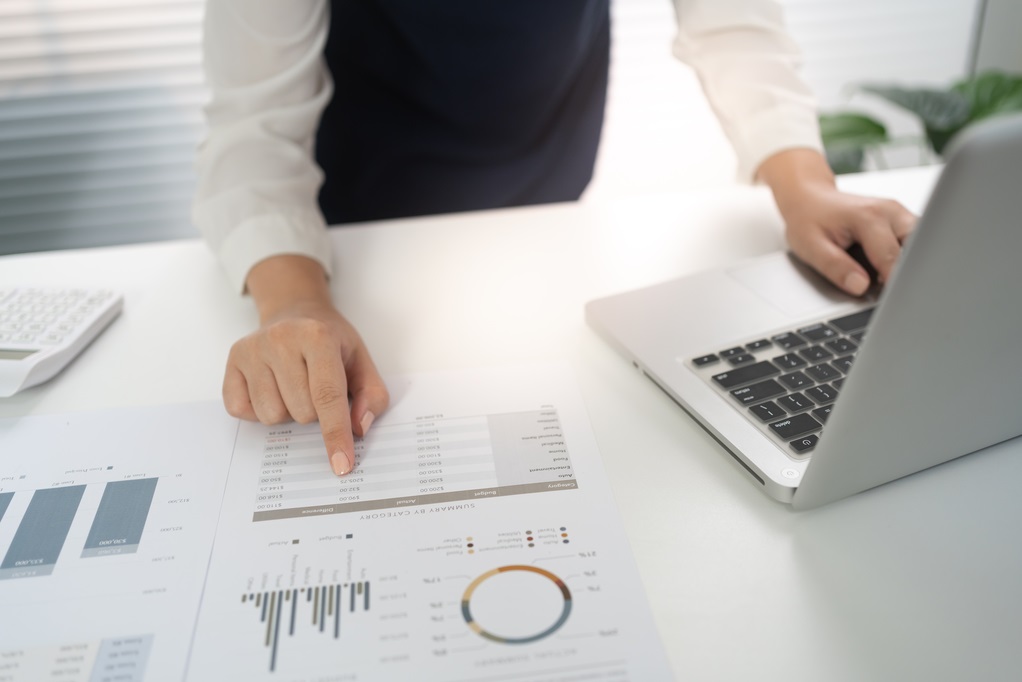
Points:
x=790 y=473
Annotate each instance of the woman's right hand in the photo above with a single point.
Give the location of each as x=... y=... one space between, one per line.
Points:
x=305 y=362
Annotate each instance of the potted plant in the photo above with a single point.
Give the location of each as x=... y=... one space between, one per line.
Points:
x=848 y=137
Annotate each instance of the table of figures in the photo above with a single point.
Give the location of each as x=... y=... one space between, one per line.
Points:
x=431 y=459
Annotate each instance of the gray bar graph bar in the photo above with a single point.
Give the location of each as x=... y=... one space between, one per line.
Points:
x=41 y=535
x=122 y=513
x=5 y=501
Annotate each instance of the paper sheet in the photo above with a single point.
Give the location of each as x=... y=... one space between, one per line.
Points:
x=476 y=539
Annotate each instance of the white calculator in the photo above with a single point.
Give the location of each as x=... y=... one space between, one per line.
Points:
x=41 y=330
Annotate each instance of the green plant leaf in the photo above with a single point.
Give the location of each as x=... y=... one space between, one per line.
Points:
x=845 y=136
x=938 y=109
x=845 y=159
x=851 y=129
x=991 y=93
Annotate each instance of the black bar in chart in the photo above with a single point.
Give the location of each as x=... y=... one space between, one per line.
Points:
x=117 y=526
x=323 y=603
x=40 y=536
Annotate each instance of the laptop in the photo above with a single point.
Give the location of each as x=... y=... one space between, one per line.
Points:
x=819 y=396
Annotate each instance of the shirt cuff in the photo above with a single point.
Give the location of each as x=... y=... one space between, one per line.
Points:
x=769 y=132
x=262 y=237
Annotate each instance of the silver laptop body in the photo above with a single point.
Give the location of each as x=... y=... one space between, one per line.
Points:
x=937 y=376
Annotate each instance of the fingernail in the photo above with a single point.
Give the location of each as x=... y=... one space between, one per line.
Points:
x=856 y=283
x=367 y=421
x=340 y=463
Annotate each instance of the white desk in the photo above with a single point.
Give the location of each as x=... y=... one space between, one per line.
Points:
x=917 y=580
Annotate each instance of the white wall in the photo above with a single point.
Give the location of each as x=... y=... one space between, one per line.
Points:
x=660 y=134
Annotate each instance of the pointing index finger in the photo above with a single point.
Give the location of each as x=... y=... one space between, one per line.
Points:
x=328 y=386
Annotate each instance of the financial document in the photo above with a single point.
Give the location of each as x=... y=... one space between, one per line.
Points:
x=475 y=539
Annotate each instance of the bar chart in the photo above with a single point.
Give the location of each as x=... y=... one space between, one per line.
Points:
x=43 y=529
x=107 y=521
x=41 y=534
x=306 y=611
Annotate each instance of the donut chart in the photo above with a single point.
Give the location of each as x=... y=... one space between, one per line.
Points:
x=516 y=604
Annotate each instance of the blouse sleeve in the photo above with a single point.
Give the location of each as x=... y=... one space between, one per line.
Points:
x=747 y=65
x=257 y=176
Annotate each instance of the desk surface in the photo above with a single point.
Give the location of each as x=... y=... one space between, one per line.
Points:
x=918 y=579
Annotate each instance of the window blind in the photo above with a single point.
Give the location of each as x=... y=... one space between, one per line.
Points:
x=100 y=115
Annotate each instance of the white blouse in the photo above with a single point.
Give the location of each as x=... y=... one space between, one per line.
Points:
x=258 y=178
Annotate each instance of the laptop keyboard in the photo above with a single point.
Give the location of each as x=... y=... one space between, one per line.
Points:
x=786 y=384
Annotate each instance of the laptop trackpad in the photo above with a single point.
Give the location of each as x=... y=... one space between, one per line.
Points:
x=789 y=285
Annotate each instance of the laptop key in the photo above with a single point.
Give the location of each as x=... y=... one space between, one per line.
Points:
x=758 y=345
x=795 y=380
x=731 y=352
x=843 y=364
x=794 y=426
x=745 y=374
x=841 y=346
x=704 y=360
x=838 y=383
x=767 y=412
x=822 y=414
x=796 y=402
x=815 y=353
x=788 y=341
x=853 y=322
x=817 y=332
x=823 y=372
x=740 y=359
x=821 y=394
x=805 y=443
x=789 y=361
x=757 y=392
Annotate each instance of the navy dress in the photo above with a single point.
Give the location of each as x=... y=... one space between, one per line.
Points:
x=456 y=105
